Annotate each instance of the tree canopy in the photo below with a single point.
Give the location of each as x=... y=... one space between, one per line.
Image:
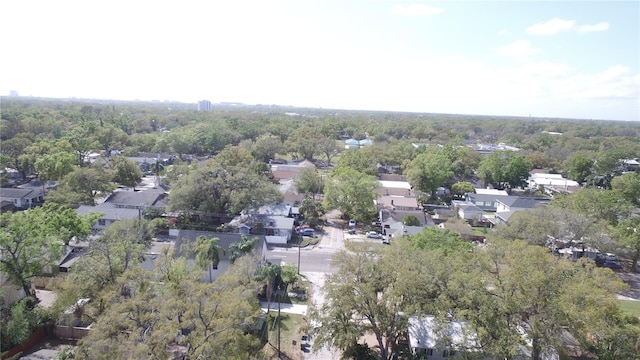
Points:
x=33 y=240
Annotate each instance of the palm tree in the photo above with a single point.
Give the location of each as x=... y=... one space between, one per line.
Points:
x=208 y=253
x=269 y=273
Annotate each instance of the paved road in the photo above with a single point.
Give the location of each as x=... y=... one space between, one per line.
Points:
x=315 y=263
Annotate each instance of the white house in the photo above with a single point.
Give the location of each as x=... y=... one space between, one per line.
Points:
x=555 y=181
x=439 y=341
x=469 y=212
x=22 y=198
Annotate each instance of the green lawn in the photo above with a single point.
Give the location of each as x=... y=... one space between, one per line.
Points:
x=290 y=330
x=630 y=307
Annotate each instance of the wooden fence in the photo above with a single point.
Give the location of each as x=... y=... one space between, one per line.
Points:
x=70 y=332
x=31 y=341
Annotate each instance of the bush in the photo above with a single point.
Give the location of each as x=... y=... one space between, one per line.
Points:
x=21 y=321
x=411 y=220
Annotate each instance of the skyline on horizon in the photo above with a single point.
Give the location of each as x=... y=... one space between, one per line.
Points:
x=555 y=59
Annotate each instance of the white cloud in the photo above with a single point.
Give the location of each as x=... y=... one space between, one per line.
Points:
x=518 y=48
x=416 y=10
x=551 y=27
x=503 y=32
x=583 y=29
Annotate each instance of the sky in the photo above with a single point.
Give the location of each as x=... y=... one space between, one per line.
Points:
x=556 y=59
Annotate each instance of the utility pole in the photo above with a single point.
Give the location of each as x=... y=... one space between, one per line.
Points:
x=279 y=353
x=299 y=258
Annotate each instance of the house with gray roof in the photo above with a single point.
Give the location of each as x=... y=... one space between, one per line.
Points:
x=143 y=199
x=225 y=241
x=486 y=202
x=110 y=213
x=469 y=212
x=22 y=198
x=510 y=206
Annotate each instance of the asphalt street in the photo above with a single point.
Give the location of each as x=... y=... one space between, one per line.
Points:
x=315 y=263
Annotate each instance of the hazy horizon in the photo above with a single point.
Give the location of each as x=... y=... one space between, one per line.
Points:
x=555 y=59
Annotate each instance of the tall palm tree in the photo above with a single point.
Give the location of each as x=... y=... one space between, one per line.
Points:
x=208 y=253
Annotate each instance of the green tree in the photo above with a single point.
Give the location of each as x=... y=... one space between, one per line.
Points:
x=360 y=160
x=411 y=220
x=597 y=204
x=433 y=238
x=289 y=275
x=429 y=170
x=537 y=292
x=311 y=210
x=269 y=274
x=357 y=305
x=82 y=186
x=266 y=147
x=627 y=236
x=629 y=186
x=214 y=189
x=233 y=156
x=32 y=240
x=303 y=143
x=82 y=142
x=208 y=253
x=462 y=187
x=124 y=171
x=117 y=249
x=155 y=312
x=352 y=193
x=238 y=249
x=329 y=148
x=309 y=181
x=504 y=167
x=55 y=166
x=580 y=167
x=111 y=138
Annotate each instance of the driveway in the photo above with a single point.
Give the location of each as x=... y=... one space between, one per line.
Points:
x=633 y=280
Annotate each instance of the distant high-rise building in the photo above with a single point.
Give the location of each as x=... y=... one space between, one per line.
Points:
x=204 y=105
x=13 y=93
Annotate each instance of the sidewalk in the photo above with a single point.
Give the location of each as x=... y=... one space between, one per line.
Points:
x=285 y=308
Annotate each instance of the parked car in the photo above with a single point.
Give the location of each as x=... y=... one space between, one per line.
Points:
x=307 y=232
x=614 y=265
x=610 y=257
x=304 y=342
x=386 y=241
x=374 y=235
x=352 y=223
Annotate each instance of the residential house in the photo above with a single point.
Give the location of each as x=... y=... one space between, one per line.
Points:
x=35 y=183
x=630 y=164
x=490 y=192
x=429 y=338
x=552 y=183
x=144 y=199
x=351 y=144
x=110 y=213
x=486 y=149
x=451 y=339
x=275 y=229
x=225 y=240
x=486 y=202
x=512 y=204
x=22 y=198
x=469 y=212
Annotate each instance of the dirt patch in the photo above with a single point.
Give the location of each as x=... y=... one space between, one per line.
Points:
x=50 y=343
